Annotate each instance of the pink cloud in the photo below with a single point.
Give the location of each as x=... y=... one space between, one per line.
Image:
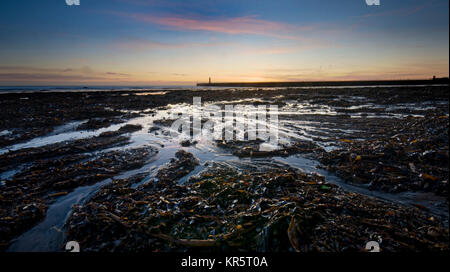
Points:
x=236 y=25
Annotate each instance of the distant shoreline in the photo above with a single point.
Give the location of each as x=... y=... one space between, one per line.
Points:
x=329 y=83
x=222 y=86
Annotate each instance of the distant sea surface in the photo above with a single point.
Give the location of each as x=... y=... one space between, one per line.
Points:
x=11 y=89
x=32 y=89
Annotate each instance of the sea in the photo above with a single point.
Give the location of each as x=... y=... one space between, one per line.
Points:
x=33 y=89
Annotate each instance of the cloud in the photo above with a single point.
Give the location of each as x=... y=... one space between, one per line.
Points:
x=116 y=74
x=30 y=69
x=236 y=25
x=142 y=44
x=396 y=13
x=237 y=48
x=36 y=74
x=82 y=70
x=284 y=49
x=44 y=77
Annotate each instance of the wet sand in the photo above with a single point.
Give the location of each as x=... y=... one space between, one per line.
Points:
x=386 y=147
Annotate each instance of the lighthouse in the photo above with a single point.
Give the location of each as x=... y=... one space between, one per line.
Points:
x=209 y=80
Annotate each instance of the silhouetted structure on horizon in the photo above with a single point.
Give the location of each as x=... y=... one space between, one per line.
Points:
x=434 y=80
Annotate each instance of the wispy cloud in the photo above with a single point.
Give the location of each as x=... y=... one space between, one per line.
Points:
x=16 y=77
x=395 y=13
x=235 y=25
x=398 y=12
x=142 y=44
x=117 y=74
x=284 y=49
x=236 y=48
x=29 y=74
x=38 y=70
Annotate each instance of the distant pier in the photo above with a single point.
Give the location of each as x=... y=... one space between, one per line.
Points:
x=434 y=81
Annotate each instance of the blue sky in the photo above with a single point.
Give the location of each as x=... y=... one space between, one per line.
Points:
x=144 y=42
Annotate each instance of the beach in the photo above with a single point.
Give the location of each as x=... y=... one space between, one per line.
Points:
x=103 y=168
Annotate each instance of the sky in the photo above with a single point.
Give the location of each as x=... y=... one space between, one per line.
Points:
x=156 y=42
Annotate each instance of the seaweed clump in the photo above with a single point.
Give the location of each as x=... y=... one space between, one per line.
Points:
x=414 y=158
x=224 y=210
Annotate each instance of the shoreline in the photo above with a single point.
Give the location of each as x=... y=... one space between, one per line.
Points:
x=208 y=87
